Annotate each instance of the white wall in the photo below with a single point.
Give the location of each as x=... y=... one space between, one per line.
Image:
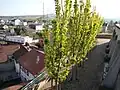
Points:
x=39 y=27
x=28 y=39
x=2 y=22
x=25 y=23
x=17 y=67
x=25 y=76
x=17 y=22
x=5 y=27
x=19 y=39
x=15 y=39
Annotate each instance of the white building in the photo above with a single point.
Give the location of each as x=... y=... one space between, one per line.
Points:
x=5 y=27
x=2 y=22
x=39 y=27
x=19 y=39
x=25 y=23
x=2 y=34
x=18 y=22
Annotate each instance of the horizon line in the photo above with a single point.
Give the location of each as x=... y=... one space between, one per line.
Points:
x=24 y=15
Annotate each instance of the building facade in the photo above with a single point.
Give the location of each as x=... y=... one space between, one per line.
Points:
x=19 y=39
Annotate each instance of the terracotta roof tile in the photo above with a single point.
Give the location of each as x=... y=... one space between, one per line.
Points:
x=9 y=49
x=29 y=61
x=3 y=57
x=15 y=87
x=20 y=52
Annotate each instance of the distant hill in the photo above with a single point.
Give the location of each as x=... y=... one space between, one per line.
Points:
x=49 y=16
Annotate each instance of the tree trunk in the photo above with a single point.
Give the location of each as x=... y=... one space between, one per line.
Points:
x=56 y=87
x=59 y=85
x=51 y=83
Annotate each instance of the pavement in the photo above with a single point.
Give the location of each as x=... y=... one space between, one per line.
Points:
x=91 y=74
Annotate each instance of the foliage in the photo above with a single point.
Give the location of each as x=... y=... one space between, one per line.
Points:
x=83 y=27
x=73 y=35
x=56 y=51
x=20 y=30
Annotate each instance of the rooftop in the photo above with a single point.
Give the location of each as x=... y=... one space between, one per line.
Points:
x=15 y=87
x=20 y=52
x=9 y=49
x=33 y=61
x=3 y=57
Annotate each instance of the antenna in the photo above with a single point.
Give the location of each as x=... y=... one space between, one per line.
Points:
x=43 y=9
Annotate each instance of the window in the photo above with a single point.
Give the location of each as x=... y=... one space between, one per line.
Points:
x=27 y=73
x=25 y=79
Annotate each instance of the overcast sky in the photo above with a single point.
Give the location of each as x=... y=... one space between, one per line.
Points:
x=107 y=8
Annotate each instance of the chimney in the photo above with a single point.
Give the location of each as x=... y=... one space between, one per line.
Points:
x=38 y=59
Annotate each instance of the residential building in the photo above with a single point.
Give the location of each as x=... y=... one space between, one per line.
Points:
x=9 y=49
x=2 y=34
x=6 y=64
x=12 y=21
x=3 y=57
x=30 y=64
x=5 y=27
x=37 y=27
x=21 y=51
x=25 y=23
x=19 y=39
x=18 y=22
x=17 y=54
x=2 y=22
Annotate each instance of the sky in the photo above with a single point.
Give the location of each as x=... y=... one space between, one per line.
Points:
x=106 y=8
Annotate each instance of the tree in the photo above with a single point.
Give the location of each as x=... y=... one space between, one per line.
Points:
x=83 y=27
x=20 y=30
x=73 y=36
x=17 y=30
x=56 y=51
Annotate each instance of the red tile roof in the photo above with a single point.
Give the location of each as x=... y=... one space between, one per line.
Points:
x=15 y=87
x=3 y=57
x=29 y=61
x=20 y=52
x=9 y=49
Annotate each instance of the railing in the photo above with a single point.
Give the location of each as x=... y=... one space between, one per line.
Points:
x=104 y=35
x=36 y=80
